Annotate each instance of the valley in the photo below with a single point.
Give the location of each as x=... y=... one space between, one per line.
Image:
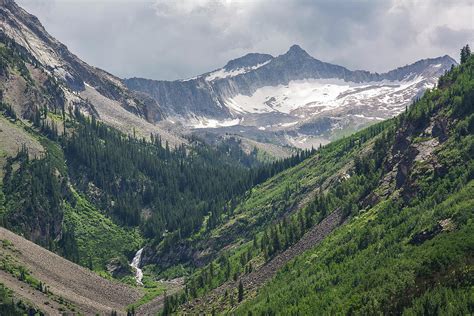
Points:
x=275 y=185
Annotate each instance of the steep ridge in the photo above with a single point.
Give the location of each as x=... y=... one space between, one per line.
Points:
x=388 y=257
x=293 y=94
x=244 y=76
x=91 y=89
x=87 y=291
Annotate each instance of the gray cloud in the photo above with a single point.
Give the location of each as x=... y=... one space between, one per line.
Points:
x=445 y=37
x=171 y=39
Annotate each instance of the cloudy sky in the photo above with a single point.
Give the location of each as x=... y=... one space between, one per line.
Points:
x=174 y=39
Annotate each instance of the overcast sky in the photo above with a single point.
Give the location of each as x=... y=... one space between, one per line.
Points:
x=174 y=39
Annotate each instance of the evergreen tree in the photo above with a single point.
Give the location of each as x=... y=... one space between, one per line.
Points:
x=465 y=53
x=241 y=292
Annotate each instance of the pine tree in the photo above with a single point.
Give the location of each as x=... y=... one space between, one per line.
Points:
x=241 y=292
x=465 y=53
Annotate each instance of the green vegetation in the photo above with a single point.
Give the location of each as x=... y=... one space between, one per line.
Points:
x=369 y=266
x=152 y=290
x=354 y=175
x=12 y=58
x=405 y=187
x=261 y=227
x=9 y=264
x=134 y=175
x=11 y=307
x=98 y=194
x=8 y=111
x=465 y=53
x=96 y=238
x=411 y=251
x=33 y=197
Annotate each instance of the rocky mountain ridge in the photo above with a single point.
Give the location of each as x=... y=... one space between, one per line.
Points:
x=294 y=93
x=80 y=85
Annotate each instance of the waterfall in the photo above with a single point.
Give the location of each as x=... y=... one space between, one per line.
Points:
x=135 y=264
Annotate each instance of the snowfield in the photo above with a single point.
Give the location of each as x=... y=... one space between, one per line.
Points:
x=324 y=94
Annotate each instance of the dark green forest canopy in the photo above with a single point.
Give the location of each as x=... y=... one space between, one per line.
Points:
x=166 y=193
x=387 y=209
x=412 y=251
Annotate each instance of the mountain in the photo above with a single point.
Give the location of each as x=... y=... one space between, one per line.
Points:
x=93 y=90
x=379 y=222
x=293 y=93
x=86 y=176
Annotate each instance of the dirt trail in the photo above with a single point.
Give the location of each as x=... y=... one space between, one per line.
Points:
x=86 y=290
x=257 y=278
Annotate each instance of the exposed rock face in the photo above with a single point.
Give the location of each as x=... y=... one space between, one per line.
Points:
x=118 y=268
x=293 y=92
x=206 y=94
x=423 y=236
x=26 y=30
x=92 y=90
x=441 y=226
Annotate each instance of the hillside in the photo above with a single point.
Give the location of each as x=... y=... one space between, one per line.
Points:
x=75 y=83
x=48 y=281
x=404 y=188
x=93 y=194
x=373 y=220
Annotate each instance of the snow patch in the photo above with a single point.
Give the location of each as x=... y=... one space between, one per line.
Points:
x=368 y=117
x=212 y=123
x=222 y=73
x=289 y=124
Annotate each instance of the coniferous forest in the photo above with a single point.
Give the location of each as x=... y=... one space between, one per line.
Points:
x=379 y=220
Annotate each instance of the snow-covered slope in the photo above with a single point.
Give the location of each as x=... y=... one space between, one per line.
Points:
x=318 y=95
x=224 y=73
x=291 y=92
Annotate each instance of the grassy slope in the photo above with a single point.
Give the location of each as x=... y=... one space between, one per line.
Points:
x=369 y=266
x=98 y=238
x=292 y=188
x=339 y=276
x=286 y=195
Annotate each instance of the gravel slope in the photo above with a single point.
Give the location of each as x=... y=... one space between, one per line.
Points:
x=25 y=293
x=86 y=290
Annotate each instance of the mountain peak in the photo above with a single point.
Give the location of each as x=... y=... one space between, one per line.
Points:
x=296 y=50
x=449 y=59
x=249 y=60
